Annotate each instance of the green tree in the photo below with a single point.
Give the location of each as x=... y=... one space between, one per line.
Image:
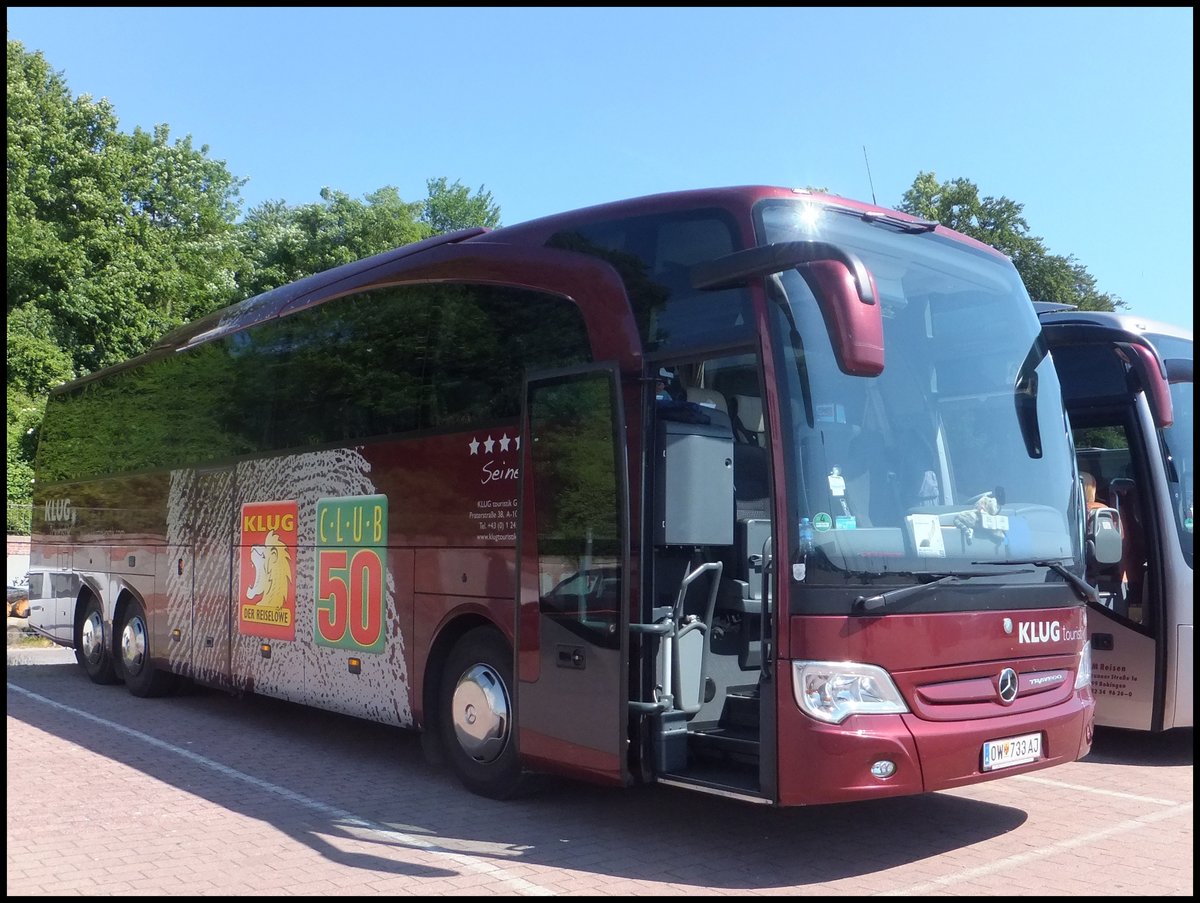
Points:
x=999 y=222
x=282 y=243
x=112 y=239
x=116 y=237
x=24 y=415
x=448 y=208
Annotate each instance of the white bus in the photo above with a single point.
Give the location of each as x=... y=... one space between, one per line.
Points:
x=1127 y=383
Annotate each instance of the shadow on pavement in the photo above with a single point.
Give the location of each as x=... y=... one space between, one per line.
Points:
x=1112 y=746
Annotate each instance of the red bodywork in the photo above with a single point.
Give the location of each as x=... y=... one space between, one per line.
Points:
x=932 y=745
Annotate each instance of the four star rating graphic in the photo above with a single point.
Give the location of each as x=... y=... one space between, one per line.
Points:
x=489 y=444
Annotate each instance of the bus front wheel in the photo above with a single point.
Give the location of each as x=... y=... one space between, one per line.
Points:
x=92 y=649
x=476 y=715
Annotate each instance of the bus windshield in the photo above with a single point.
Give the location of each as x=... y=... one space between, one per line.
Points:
x=953 y=460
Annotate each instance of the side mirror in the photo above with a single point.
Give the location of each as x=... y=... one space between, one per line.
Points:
x=855 y=327
x=1153 y=377
x=844 y=288
x=1150 y=374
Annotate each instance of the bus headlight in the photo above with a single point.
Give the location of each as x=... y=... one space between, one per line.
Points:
x=1083 y=676
x=833 y=691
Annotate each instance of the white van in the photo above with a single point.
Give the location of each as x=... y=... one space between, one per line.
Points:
x=52 y=595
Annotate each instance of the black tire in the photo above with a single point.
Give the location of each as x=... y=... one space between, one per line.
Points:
x=92 y=648
x=475 y=715
x=133 y=657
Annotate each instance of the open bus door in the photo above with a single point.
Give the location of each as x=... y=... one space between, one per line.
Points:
x=1116 y=394
x=572 y=620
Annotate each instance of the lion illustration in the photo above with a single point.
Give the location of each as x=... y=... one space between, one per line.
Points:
x=272 y=572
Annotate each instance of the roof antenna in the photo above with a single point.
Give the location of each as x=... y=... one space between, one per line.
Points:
x=869 y=179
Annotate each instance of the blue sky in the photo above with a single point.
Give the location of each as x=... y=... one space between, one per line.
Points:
x=1082 y=116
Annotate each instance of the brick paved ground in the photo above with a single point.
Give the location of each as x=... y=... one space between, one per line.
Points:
x=207 y=794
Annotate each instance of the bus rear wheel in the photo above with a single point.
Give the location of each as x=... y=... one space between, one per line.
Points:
x=476 y=715
x=141 y=676
x=92 y=649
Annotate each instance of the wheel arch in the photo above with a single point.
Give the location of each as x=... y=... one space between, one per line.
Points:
x=88 y=590
x=124 y=595
x=98 y=657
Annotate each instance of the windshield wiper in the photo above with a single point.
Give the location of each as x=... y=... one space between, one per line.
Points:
x=892 y=596
x=1087 y=592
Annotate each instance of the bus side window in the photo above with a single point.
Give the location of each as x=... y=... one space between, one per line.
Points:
x=750 y=480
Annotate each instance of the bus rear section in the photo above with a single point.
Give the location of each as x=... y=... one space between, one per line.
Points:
x=1127 y=385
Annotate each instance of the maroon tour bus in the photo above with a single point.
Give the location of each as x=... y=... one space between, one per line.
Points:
x=752 y=491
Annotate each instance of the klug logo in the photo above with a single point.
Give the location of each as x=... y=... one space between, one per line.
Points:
x=59 y=511
x=1046 y=632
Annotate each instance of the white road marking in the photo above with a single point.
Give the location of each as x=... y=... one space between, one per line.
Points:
x=1098 y=791
x=1011 y=862
x=340 y=816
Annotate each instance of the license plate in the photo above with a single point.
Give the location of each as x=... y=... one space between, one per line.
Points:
x=1011 y=751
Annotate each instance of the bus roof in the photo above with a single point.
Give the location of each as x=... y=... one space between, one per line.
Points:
x=1132 y=323
x=535 y=232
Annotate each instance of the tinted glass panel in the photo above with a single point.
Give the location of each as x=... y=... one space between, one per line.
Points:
x=654 y=255
x=577 y=497
x=379 y=363
x=954 y=459
x=62 y=586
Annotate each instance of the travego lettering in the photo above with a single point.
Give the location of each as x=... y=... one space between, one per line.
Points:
x=1048 y=679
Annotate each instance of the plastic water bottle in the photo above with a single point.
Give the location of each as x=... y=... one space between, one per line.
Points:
x=806 y=535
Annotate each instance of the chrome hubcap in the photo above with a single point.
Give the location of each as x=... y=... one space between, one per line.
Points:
x=133 y=645
x=480 y=714
x=92 y=637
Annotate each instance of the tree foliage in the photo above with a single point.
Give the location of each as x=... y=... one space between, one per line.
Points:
x=999 y=222
x=114 y=239
x=282 y=243
x=448 y=208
